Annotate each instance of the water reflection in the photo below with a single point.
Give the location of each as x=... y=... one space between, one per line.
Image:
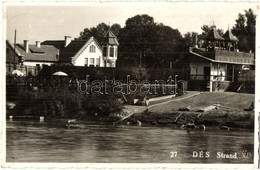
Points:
x=45 y=142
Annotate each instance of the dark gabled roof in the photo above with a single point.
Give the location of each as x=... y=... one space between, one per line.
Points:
x=59 y=44
x=230 y=37
x=109 y=39
x=68 y=52
x=73 y=48
x=11 y=59
x=46 y=53
x=213 y=35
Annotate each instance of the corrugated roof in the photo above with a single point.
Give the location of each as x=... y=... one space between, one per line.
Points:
x=230 y=37
x=213 y=35
x=48 y=53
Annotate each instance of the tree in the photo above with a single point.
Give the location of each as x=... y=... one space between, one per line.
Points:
x=115 y=28
x=144 y=42
x=190 y=38
x=99 y=31
x=244 y=29
x=207 y=28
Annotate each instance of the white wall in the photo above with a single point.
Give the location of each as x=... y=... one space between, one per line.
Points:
x=29 y=63
x=80 y=61
x=198 y=68
x=111 y=61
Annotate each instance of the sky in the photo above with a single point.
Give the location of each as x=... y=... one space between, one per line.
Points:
x=53 y=21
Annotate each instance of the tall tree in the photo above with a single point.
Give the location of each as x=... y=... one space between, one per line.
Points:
x=207 y=28
x=244 y=29
x=190 y=38
x=115 y=28
x=99 y=31
x=146 y=43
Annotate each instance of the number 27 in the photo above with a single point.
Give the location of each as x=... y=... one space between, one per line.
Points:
x=173 y=154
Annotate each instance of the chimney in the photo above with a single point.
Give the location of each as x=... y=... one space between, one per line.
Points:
x=196 y=41
x=67 y=40
x=38 y=44
x=26 y=45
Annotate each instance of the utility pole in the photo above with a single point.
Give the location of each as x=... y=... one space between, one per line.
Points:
x=14 y=47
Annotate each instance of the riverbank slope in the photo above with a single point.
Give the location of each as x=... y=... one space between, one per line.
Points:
x=229 y=112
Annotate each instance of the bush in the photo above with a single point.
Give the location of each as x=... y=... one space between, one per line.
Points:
x=65 y=103
x=101 y=105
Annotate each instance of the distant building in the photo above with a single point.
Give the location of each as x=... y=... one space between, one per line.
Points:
x=110 y=49
x=82 y=53
x=89 y=53
x=29 y=58
x=220 y=64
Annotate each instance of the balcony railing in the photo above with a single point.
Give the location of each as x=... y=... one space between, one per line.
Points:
x=225 y=55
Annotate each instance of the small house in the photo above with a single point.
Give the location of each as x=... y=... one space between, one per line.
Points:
x=220 y=65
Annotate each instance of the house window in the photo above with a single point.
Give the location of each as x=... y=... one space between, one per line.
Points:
x=92 y=49
x=91 y=62
x=86 y=61
x=97 y=62
x=111 y=52
x=104 y=51
x=7 y=51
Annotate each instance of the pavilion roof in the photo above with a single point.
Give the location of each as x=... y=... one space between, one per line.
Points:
x=213 y=35
x=230 y=37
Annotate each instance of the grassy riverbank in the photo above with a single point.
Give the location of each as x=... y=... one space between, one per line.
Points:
x=230 y=112
x=165 y=111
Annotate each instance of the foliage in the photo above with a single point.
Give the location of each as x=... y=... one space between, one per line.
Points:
x=244 y=29
x=139 y=73
x=207 y=28
x=190 y=38
x=101 y=105
x=65 y=103
x=99 y=31
x=144 y=42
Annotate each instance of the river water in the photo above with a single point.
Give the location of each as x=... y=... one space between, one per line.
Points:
x=29 y=141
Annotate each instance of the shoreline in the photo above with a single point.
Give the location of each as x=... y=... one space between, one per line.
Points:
x=175 y=112
x=81 y=124
x=222 y=111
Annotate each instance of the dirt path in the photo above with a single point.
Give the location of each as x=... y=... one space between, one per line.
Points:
x=133 y=109
x=175 y=99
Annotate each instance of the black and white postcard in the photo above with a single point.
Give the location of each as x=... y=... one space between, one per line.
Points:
x=108 y=84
